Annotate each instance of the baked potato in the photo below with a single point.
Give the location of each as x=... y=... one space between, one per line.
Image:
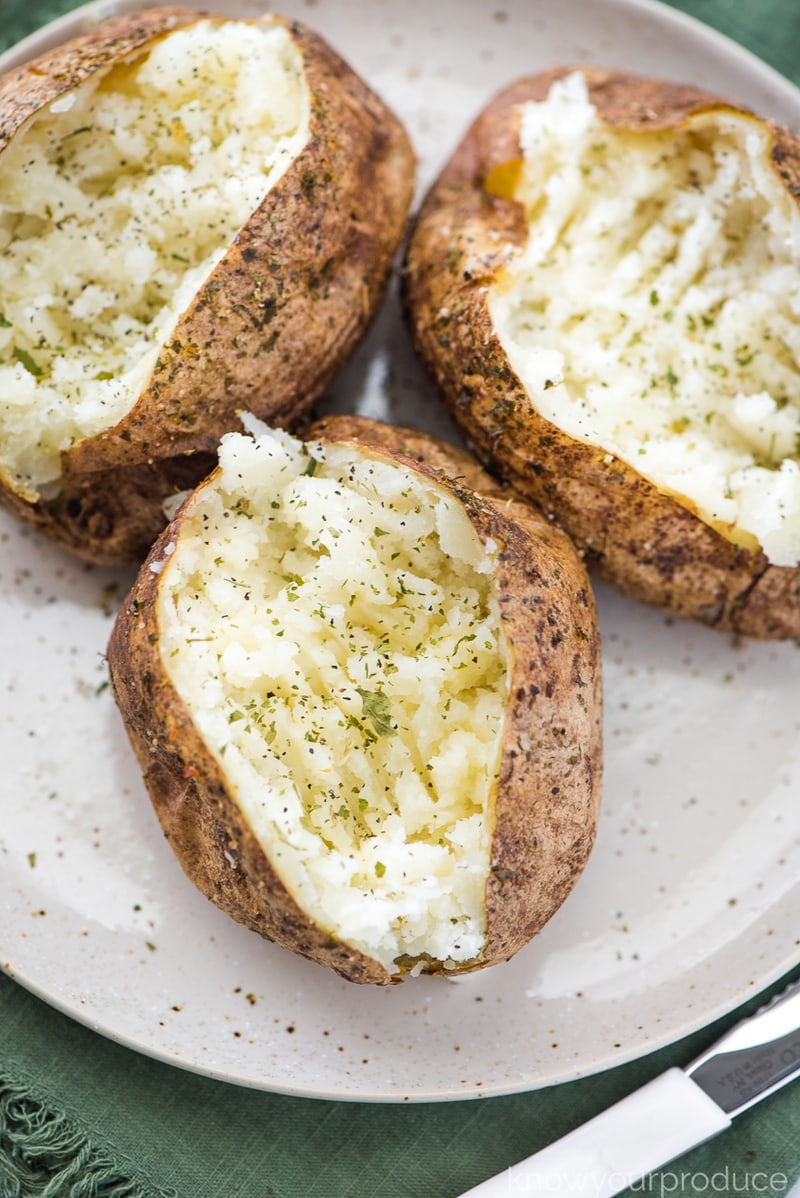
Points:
x=197 y=215
x=604 y=282
x=366 y=700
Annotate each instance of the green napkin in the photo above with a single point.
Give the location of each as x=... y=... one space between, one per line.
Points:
x=77 y=1108
x=82 y=1117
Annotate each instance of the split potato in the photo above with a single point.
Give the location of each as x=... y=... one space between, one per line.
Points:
x=197 y=215
x=363 y=685
x=604 y=282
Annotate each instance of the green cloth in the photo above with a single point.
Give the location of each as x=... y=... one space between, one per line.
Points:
x=81 y=1116
x=173 y=1133
x=169 y=1132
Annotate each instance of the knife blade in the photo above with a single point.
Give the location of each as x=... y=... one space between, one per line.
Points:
x=674 y=1112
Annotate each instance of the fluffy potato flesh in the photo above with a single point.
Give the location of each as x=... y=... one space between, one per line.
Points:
x=654 y=309
x=330 y=622
x=116 y=202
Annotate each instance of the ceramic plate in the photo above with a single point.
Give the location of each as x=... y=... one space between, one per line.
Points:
x=691 y=901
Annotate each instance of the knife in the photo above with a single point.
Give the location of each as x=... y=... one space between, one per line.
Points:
x=665 y=1118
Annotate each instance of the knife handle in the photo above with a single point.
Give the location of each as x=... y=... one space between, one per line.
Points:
x=648 y=1128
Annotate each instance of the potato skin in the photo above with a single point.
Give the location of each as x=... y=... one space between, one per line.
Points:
x=550 y=781
x=275 y=321
x=631 y=534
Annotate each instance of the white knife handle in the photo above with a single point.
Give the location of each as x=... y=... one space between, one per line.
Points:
x=662 y=1120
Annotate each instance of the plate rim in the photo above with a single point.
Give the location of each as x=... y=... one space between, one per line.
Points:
x=91 y=12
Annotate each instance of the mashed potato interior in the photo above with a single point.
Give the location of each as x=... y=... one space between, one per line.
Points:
x=655 y=309
x=115 y=203
x=330 y=620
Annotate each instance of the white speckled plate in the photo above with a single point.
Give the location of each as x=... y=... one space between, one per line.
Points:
x=691 y=900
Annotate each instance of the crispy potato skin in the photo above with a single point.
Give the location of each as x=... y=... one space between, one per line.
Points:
x=547 y=798
x=277 y=318
x=630 y=534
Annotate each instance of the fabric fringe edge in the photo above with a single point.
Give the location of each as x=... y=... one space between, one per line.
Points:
x=46 y=1153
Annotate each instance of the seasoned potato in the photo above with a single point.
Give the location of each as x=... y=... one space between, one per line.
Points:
x=605 y=284
x=197 y=215
x=366 y=700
